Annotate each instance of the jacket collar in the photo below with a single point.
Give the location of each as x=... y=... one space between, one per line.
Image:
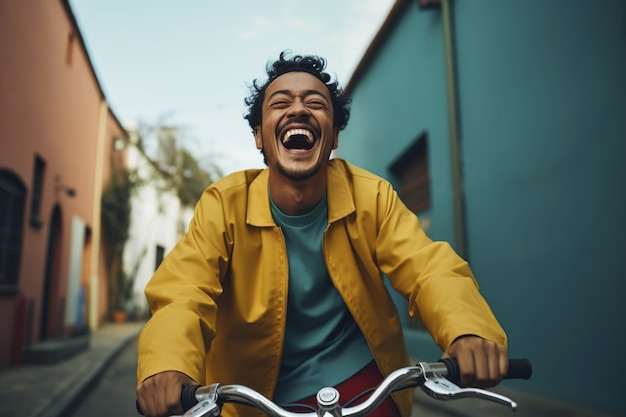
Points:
x=339 y=195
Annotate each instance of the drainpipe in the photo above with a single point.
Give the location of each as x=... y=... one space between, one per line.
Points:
x=455 y=158
x=96 y=229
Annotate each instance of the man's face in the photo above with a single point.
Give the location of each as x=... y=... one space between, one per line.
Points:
x=296 y=132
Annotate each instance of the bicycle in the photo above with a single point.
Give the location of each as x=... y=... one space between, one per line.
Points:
x=435 y=379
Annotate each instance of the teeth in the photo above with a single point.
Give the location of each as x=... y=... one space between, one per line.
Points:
x=301 y=132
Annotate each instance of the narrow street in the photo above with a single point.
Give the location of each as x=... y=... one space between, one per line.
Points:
x=114 y=393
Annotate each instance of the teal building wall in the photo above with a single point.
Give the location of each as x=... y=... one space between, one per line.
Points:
x=541 y=88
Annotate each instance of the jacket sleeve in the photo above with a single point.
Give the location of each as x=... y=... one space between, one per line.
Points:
x=183 y=294
x=438 y=284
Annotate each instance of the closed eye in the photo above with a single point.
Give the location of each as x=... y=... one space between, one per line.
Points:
x=279 y=104
x=316 y=104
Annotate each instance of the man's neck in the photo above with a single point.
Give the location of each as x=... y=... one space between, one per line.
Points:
x=296 y=197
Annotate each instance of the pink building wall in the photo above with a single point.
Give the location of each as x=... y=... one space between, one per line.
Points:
x=50 y=107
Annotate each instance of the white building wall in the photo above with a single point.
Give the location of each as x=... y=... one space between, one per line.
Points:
x=157 y=220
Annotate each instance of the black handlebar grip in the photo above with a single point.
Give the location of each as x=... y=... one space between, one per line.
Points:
x=187 y=398
x=518 y=369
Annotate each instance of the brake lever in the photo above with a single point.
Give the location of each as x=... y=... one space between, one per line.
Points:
x=440 y=388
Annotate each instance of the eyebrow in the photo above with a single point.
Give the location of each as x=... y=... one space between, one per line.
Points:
x=306 y=94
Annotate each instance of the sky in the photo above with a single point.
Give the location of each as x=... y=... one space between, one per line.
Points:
x=189 y=63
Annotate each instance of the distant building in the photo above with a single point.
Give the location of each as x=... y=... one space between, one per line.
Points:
x=502 y=124
x=158 y=221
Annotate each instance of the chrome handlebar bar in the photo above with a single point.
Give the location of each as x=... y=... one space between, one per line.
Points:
x=431 y=377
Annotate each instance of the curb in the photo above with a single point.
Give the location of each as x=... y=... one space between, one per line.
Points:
x=61 y=405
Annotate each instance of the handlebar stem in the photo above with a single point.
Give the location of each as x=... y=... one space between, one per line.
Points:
x=328 y=402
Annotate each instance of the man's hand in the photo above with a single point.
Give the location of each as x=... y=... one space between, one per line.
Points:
x=483 y=363
x=159 y=395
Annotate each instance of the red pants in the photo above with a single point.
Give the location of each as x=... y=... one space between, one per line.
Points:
x=366 y=378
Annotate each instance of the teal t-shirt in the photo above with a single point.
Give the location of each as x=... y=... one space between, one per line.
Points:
x=323 y=345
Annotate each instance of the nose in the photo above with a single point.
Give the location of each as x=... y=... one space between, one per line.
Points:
x=298 y=108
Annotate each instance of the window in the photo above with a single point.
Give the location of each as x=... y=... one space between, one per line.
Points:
x=36 y=192
x=71 y=45
x=411 y=171
x=160 y=254
x=12 y=206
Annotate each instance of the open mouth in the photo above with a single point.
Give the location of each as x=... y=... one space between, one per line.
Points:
x=298 y=139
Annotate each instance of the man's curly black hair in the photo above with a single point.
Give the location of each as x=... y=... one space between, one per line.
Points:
x=285 y=63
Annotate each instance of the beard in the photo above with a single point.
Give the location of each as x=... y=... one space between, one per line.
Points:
x=299 y=175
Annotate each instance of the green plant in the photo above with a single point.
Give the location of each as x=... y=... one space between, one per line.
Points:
x=116 y=218
x=174 y=168
x=116 y=207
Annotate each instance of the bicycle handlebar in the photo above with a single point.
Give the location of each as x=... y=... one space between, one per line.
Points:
x=436 y=379
x=518 y=369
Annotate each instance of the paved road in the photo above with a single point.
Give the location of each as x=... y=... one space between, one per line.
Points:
x=114 y=392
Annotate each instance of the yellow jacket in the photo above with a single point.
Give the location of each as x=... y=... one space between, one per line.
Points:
x=219 y=297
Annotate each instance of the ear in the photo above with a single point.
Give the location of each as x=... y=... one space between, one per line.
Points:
x=258 y=137
x=336 y=139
